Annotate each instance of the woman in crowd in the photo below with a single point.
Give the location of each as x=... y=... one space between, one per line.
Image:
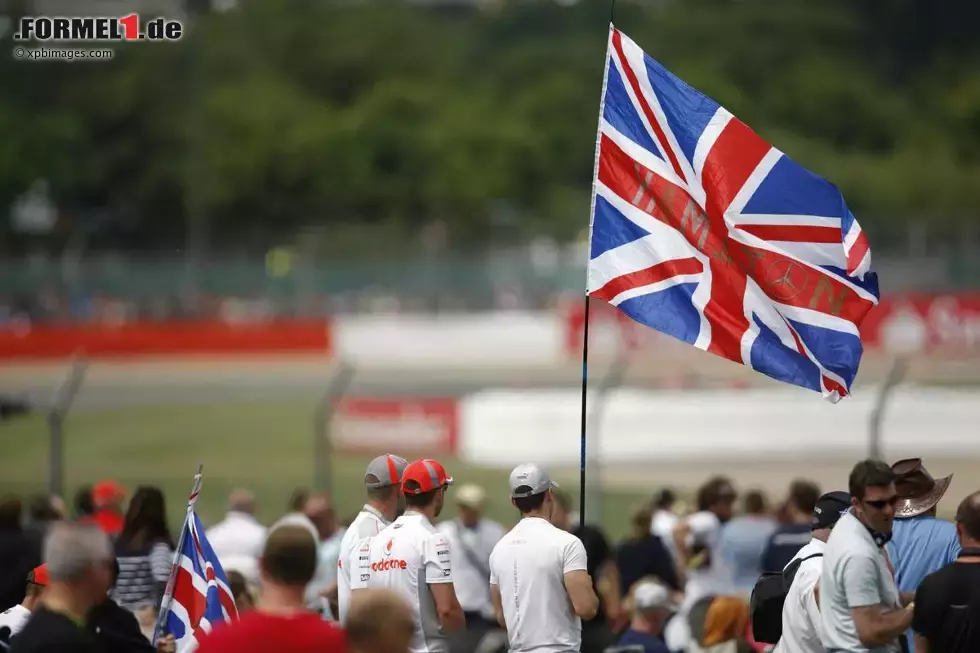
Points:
x=145 y=552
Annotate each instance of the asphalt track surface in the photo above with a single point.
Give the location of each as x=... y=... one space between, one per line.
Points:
x=113 y=385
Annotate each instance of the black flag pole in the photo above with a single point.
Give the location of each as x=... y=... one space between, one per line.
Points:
x=585 y=390
x=585 y=325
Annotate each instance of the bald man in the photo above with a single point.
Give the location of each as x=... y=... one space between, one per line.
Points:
x=380 y=621
x=239 y=538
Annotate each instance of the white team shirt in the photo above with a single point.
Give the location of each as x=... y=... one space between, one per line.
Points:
x=802 y=625
x=471 y=549
x=407 y=557
x=368 y=523
x=14 y=618
x=528 y=566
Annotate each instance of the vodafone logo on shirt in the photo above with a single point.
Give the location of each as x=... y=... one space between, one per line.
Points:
x=388 y=563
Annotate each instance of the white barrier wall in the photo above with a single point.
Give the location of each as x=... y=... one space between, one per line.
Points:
x=497 y=338
x=503 y=428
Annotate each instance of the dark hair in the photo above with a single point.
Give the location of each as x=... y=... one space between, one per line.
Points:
x=11 y=513
x=84 y=506
x=290 y=555
x=146 y=521
x=297 y=500
x=527 y=504
x=237 y=583
x=664 y=499
x=869 y=473
x=422 y=500
x=754 y=502
x=114 y=574
x=968 y=514
x=41 y=509
x=804 y=495
x=713 y=491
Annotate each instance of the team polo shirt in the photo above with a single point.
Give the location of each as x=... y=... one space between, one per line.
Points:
x=368 y=523
x=528 y=566
x=406 y=557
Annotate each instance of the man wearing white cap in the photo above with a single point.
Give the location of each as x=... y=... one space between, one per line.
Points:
x=652 y=608
x=539 y=581
x=385 y=502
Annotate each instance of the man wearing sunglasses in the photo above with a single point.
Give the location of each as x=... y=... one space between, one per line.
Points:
x=860 y=605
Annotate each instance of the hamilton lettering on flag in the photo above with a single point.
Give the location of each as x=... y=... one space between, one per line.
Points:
x=704 y=231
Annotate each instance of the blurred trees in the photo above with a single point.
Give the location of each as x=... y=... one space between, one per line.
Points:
x=291 y=114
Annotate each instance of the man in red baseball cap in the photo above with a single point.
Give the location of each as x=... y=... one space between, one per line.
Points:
x=107 y=498
x=413 y=559
x=12 y=620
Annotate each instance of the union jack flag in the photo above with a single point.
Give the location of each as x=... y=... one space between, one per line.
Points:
x=201 y=596
x=704 y=231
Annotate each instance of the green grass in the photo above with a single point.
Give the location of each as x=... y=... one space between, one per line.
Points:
x=264 y=447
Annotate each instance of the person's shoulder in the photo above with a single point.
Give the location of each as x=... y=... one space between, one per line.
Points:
x=703 y=520
x=447 y=527
x=364 y=525
x=436 y=537
x=564 y=539
x=494 y=528
x=317 y=628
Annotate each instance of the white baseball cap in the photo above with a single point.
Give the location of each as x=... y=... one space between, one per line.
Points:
x=528 y=479
x=651 y=596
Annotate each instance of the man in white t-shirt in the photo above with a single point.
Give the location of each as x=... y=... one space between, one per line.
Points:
x=13 y=619
x=385 y=502
x=802 y=625
x=413 y=558
x=239 y=538
x=539 y=580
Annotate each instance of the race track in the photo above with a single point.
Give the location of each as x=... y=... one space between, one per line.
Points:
x=177 y=383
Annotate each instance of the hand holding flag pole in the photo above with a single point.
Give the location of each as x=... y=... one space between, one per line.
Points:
x=168 y=594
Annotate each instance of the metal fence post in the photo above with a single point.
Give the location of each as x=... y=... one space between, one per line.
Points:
x=57 y=413
x=322 y=445
x=611 y=380
x=894 y=378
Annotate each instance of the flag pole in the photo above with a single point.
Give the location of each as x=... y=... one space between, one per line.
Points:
x=168 y=594
x=585 y=390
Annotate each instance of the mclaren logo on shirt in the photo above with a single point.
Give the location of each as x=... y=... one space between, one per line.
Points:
x=388 y=563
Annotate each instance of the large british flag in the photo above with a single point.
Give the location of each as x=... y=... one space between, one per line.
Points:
x=704 y=231
x=201 y=596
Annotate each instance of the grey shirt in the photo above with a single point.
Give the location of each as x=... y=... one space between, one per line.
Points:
x=855 y=574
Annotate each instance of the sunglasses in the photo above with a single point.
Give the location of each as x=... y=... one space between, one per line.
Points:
x=881 y=503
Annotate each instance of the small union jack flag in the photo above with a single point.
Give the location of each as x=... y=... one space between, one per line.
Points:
x=704 y=231
x=201 y=596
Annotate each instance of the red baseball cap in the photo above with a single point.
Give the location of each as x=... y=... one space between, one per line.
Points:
x=424 y=475
x=105 y=492
x=39 y=576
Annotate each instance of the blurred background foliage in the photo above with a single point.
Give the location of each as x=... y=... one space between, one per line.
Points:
x=284 y=117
